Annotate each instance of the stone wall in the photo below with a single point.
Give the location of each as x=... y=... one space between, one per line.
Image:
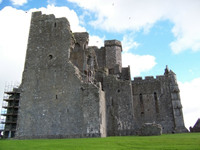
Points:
x=150 y=129
x=196 y=127
x=119 y=102
x=55 y=102
x=146 y=95
x=156 y=101
x=78 y=54
x=176 y=104
x=100 y=53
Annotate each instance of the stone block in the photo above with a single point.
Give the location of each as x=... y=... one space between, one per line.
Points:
x=150 y=129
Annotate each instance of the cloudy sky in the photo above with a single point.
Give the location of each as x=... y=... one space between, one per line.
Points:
x=154 y=33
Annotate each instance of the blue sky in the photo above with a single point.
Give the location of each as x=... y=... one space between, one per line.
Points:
x=154 y=33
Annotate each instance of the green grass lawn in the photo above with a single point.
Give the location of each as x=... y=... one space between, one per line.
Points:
x=186 y=141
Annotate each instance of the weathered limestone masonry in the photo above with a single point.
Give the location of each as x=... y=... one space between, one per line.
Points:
x=158 y=100
x=105 y=66
x=55 y=102
x=70 y=89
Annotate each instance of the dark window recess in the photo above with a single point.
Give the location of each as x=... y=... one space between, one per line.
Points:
x=55 y=24
x=50 y=57
x=156 y=102
x=77 y=45
x=85 y=46
x=89 y=60
x=112 y=103
x=56 y=96
x=141 y=104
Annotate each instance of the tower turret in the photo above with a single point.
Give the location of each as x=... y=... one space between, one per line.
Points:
x=113 y=49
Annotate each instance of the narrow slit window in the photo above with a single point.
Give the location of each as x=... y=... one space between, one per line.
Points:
x=141 y=104
x=112 y=102
x=156 y=102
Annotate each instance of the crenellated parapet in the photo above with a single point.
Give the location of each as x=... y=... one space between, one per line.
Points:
x=149 y=78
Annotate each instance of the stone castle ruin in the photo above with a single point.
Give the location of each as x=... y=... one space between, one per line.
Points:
x=196 y=127
x=70 y=89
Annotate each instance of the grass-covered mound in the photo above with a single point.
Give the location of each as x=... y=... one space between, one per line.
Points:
x=187 y=141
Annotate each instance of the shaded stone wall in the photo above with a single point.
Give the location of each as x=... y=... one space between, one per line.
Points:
x=100 y=53
x=146 y=107
x=55 y=102
x=119 y=101
x=94 y=108
x=196 y=127
x=84 y=57
x=176 y=104
x=78 y=55
x=126 y=73
x=154 y=101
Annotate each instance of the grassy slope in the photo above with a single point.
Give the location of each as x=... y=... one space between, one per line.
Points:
x=188 y=141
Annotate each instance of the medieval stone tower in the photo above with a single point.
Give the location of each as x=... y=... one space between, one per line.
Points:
x=70 y=89
x=55 y=102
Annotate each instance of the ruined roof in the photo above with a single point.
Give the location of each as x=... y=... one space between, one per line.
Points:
x=197 y=124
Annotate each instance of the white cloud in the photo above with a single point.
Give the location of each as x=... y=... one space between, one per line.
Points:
x=14 y=29
x=138 y=63
x=19 y=2
x=51 y=2
x=123 y=15
x=189 y=92
x=118 y=16
x=186 y=29
x=83 y=16
x=129 y=43
x=96 y=41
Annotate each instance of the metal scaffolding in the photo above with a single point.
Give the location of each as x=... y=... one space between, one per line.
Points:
x=9 y=111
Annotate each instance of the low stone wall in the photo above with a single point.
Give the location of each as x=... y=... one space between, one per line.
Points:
x=196 y=127
x=150 y=129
